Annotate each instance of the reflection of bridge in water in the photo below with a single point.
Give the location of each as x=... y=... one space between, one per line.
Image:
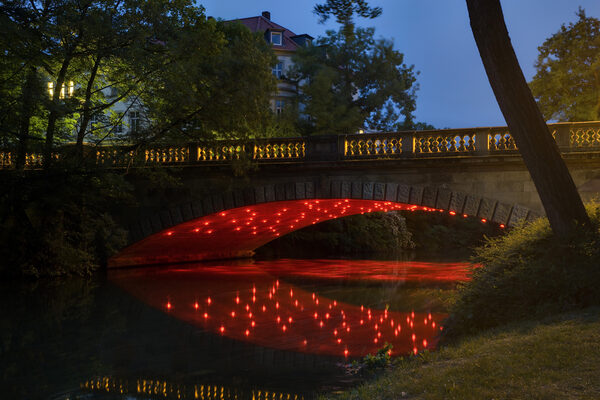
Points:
x=162 y=389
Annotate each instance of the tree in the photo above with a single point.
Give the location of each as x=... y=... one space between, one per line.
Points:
x=549 y=173
x=349 y=80
x=567 y=82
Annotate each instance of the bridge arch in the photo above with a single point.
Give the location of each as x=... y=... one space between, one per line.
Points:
x=234 y=223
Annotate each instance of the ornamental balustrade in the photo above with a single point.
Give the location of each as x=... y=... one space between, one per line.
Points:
x=472 y=142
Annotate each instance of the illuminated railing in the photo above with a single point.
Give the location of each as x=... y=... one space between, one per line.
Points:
x=156 y=388
x=373 y=145
x=571 y=137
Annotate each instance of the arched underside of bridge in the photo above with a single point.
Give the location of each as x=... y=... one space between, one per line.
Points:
x=234 y=224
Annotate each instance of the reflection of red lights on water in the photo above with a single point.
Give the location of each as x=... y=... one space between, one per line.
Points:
x=239 y=231
x=332 y=327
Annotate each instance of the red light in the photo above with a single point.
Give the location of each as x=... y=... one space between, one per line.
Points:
x=208 y=300
x=169 y=305
x=169 y=233
x=502 y=226
x=233 y=314
x=247 y=332
x=414 y=337
x=222 y=329
x=278 y=319
x=196 y=305
x=205 y=315
x=483 y=220
x=284 y=328
x=424 y=342
x=339 y=340
x=290 y=320
x=346 y=353
x=452 y=213
x=253 y=324
x=415 y=351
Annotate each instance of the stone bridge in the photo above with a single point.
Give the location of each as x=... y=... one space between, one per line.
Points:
x=295 y=182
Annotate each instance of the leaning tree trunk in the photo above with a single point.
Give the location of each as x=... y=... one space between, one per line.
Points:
x=549 y=173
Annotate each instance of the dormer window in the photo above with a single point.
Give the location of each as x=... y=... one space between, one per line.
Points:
x=276 y=38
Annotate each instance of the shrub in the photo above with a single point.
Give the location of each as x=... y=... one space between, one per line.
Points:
x=528 y=273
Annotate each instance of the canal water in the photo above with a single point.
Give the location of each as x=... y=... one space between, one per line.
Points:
x=279 y=329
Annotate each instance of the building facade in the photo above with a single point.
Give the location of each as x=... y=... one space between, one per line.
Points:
x=284 y=43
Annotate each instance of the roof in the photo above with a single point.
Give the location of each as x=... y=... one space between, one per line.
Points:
x=261 y=24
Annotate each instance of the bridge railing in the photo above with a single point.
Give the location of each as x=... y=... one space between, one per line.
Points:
x=470 y=142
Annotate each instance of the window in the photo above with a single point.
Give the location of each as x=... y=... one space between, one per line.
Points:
x=65 y=91
x=134 y=121
x=279 y=104
x=276 y=38
x=278 y=70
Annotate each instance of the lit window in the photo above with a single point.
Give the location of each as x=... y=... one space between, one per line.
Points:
x=276 y=38
x=279 y=104
x=278 y=70
x=65 y=91
x=134 y=121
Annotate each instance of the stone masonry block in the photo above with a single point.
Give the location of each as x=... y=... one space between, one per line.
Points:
x=290 y=191
x=336 y=189
x=198 y=209
x=165 y=219
x=186 y=212
x=391 y=191
x=310 y=190
x=502 y=213
x=367 y=192
x=357 y=190
x=176 y=216
x=429 y=197
x=443 y=199
x=403 y=194
x=300 y=191
x=457 y=202
x=238 y=199
x=486 y=208
x=156 y=223
x=279 y=192
x=207 y=206
x=416 y=195
x=249 y=196
x=217 y=201
x=346 y=189
x=259 y=194
x=471 y=205
x=379 y=191
x=146 y=226
x=269 y=193
x=228 y=201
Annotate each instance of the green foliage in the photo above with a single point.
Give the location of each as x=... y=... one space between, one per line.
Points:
x=349 y=80
x=368 y=233
x=442 y=233
x=60 y=224
x=567 y=84
x=372 y=363
x=528 y=273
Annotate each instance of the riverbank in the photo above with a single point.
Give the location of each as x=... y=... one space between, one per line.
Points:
x=557 y=357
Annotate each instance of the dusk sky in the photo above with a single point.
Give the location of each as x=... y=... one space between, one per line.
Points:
x=436 y=38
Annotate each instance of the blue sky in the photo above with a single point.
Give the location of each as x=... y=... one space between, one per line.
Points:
x=435 y=37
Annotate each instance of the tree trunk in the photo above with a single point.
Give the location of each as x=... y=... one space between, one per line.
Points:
x=87 y=112
x=549 y=173
x=54 y=112
x=27 y=98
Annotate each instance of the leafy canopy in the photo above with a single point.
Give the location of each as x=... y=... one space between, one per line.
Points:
x=350 y=80
x=567 y=82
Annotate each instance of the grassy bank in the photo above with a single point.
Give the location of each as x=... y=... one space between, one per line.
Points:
x=557 y=358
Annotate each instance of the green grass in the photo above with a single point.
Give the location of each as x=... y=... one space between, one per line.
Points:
x=551 y=359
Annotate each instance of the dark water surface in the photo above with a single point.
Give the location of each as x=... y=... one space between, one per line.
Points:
x=238 y=330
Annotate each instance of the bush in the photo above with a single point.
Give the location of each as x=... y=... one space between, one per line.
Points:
x=528 y=273
x=59 y=222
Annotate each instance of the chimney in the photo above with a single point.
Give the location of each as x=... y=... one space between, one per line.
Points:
x=267 y=15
